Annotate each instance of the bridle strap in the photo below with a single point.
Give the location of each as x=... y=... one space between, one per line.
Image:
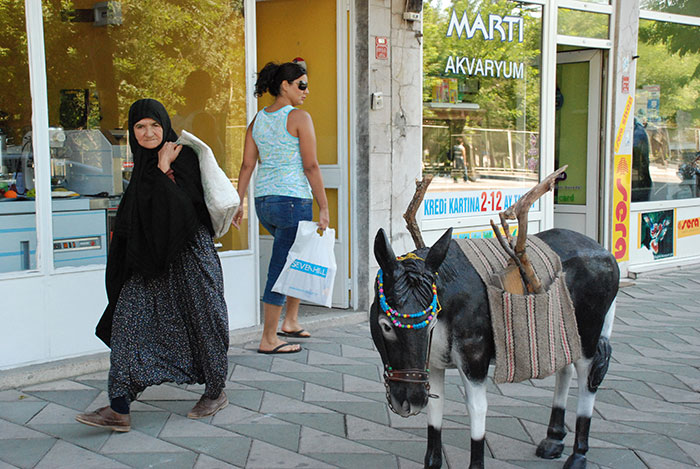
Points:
x=407 y=376
x=430 y=345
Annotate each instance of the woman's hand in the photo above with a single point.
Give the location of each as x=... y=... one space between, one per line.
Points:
x=324 y=218
x=238 y=217
x=167 y=154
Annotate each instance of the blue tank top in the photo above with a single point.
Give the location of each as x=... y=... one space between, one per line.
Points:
x=280 y=171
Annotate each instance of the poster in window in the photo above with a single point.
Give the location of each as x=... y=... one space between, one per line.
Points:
x=657 y=233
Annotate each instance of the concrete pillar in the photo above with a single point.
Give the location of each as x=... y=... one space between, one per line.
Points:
x=625 y=29
x=395 y=134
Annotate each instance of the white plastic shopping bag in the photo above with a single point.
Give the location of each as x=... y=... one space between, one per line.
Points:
x=309 y=272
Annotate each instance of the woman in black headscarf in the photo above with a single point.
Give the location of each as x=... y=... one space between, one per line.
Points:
x=166 y=320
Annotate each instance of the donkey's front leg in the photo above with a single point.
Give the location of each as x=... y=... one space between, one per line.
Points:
x=433 y=455
x=552 y=446
x=477 y=406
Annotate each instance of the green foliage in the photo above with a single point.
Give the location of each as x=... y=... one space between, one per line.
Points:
x=582 y=23
x=681 y=7
x=675 y=70
x=679 y=39
x=15 y=99
x=150 y=54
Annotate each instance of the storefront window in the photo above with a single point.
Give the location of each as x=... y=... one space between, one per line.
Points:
x=18 y=234
x=188 y=54
x=583 y=24
x=666 y=152
x=681 y=7
x=481 y=98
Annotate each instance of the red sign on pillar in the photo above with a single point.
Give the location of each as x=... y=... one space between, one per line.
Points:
x=381 y=48
x=625 y=84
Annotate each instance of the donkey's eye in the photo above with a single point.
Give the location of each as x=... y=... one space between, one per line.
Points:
x=387 y=328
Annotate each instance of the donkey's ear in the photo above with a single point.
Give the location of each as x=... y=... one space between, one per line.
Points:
x=383 y=252
x=438 y=251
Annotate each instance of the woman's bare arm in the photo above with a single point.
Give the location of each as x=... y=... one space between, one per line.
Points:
x=304 y=126
x=250 y=159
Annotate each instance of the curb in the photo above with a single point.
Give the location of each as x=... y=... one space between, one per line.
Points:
x=70 y=367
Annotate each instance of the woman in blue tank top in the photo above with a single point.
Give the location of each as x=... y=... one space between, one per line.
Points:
x=282 y=139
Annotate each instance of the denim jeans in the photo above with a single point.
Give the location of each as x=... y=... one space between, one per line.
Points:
x=280 y=215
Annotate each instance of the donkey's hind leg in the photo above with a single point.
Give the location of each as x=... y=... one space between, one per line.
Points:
x=590 y=373
x=552 y=446
x=433 y=455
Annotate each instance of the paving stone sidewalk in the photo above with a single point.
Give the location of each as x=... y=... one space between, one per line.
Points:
x=325 y=407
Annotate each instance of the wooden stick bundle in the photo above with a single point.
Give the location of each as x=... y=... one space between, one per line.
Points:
x=410 y=215
x=515 y=249
x=519 y=211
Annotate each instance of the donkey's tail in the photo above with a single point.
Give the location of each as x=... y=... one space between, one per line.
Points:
x=601 y=359
x=609 y=320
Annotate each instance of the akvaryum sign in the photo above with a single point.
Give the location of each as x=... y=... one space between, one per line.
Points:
x=503 y=28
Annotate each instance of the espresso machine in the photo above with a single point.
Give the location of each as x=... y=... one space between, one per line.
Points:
x=25 y=177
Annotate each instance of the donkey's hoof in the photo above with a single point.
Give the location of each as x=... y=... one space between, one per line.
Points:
x=550 y=448
x=433 y=458
x=432 y=463
x=575 y=461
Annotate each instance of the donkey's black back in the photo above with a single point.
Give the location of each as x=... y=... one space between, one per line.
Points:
x=591 y=276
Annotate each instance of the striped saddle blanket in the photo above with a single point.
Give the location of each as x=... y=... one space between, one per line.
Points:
x=534 y=334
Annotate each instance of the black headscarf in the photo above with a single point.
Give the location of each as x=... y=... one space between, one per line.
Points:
x=156 y=217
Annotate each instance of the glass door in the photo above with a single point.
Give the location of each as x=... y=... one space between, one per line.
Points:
x=577 y=141
x=316 y=36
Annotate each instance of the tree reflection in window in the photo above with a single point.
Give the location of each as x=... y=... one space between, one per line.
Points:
x=667 y=108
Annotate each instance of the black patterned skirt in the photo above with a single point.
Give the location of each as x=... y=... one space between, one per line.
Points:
x=173 y=328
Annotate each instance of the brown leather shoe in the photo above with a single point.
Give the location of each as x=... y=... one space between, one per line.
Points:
x=105 y=417
x=206 y=407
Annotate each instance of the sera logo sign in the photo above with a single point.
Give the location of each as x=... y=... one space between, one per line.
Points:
x=621 y=207
x=689 y=227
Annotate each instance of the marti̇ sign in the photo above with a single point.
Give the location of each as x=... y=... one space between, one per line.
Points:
x=499 y=27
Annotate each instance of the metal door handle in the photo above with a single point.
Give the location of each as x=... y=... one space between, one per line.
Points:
x=24 y=254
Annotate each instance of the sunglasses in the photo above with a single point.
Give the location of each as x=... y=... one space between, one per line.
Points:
x=302 y=85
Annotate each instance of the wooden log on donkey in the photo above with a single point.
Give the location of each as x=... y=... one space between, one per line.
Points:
x=433 y=310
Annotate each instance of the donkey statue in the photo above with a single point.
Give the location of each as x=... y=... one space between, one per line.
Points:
x=417 y=345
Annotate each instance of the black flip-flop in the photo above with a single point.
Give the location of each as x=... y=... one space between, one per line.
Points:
x=294 y=335
x=277 y=350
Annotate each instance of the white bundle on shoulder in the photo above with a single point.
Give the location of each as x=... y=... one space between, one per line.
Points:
x=219 y=194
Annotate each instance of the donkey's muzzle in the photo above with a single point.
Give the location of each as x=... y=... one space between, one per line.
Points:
x=407 y=399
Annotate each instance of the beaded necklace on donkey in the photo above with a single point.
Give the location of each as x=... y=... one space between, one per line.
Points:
x=431 y=311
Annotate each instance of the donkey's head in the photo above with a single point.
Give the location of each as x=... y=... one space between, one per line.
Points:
x=404 y=312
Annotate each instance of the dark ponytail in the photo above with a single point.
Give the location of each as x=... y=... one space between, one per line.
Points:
x=273 y=74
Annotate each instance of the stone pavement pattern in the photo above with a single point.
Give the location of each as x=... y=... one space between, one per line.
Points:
x=325 y=407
